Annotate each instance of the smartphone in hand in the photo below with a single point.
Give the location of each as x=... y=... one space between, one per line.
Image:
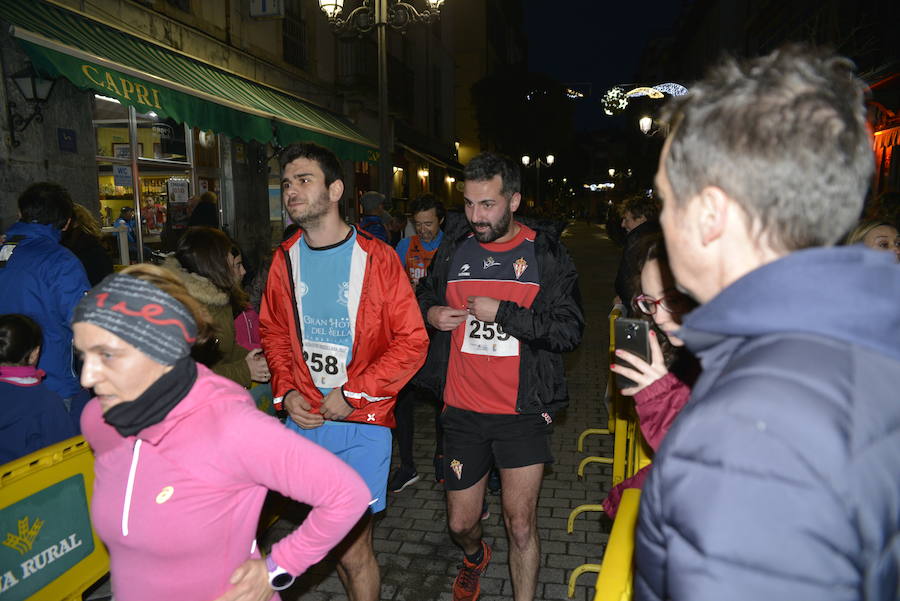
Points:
x=632 y=335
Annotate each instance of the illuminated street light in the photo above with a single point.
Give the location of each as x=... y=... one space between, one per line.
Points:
x=378 y=14
x=645 y=123
x=545 y=162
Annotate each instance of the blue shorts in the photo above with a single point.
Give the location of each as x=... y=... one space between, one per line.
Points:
x=364 y=447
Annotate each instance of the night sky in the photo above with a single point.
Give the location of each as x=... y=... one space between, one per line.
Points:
x=594 y=41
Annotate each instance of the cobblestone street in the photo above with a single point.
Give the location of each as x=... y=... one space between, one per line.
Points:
x=417 y=558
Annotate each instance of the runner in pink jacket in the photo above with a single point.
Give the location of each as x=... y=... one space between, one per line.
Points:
x=182 y=469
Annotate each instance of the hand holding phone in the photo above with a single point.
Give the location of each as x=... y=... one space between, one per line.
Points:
x=643 y=373
x=631 y=335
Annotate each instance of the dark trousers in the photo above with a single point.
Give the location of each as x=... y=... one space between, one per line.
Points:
x=405 y=416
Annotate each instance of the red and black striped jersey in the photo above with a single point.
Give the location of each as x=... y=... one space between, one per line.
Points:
x=483 y=372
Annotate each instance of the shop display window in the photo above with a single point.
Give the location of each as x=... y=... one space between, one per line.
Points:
x=160 y=138
x=174 y=162
x=111 y=127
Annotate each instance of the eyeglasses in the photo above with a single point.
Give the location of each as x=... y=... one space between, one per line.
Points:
x=673 y=302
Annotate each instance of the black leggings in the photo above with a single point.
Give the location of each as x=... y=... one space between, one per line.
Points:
x=405 y=416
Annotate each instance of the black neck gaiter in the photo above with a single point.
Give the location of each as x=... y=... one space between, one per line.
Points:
x=154 y=404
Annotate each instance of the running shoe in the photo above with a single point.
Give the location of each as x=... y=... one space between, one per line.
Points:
x=485 y=512
x=401 y=478
x=467 y=586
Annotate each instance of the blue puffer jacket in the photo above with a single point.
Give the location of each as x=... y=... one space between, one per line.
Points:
x=375 y=226
x=44 y=281
x=780 y=479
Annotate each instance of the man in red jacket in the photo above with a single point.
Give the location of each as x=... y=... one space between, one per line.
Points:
x=342 y=334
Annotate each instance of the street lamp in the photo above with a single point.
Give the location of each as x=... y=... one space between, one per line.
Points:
x=378 y=14
x=645 y=123
x=546 y=162
x=35 y=90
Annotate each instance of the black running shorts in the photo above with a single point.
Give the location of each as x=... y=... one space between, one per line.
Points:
x=473 y=441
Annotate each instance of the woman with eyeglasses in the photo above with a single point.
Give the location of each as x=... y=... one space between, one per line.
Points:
x=663 y=385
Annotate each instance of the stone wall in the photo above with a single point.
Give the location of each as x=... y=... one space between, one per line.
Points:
x=38 y=157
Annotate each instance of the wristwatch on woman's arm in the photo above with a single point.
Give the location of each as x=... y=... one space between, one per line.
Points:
x=279 y=578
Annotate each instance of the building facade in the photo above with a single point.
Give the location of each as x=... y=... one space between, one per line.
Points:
x=156 y=101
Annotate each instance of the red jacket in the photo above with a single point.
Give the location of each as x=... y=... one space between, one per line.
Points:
x=389 y=337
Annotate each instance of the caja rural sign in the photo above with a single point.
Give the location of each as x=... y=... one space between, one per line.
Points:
x=42 y=537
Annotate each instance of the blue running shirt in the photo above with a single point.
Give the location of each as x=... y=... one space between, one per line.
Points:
x=323 y=295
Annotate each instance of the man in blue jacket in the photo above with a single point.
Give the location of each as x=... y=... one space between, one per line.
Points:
x=42 y=279
x=779 y=479
x=372 y=220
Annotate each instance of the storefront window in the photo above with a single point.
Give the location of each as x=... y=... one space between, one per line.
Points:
x=111 y=127
x=164 y=173
x=164 y=196
x=160 y=138
x=175 y=163
x=116 y=191
x=206 y=160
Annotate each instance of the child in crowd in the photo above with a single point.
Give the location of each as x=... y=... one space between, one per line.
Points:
x=246 y=322
x=31 y=415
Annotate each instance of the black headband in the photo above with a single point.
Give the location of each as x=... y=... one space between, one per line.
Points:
x=140 y=314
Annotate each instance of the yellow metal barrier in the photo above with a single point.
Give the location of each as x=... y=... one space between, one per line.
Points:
x=582 y=569
x=622 y=425
x=570 y=525
x=49 y=549
x=643 y=454
x=617 y=572
x=624 y=433
x=611 y=392
x=609 y=398
x=630 y=454
x=589 y=432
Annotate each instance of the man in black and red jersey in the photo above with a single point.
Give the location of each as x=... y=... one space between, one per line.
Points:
x=503 y=304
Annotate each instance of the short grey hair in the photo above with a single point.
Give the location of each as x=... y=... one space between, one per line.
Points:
x=784 y=135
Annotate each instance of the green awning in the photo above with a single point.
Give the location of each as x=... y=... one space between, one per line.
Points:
x=149 y=77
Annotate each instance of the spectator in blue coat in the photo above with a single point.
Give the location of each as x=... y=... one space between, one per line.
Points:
x=42 y=279
x=126 y=218
x=31 y=415
x=372 y=220
x=779 y=479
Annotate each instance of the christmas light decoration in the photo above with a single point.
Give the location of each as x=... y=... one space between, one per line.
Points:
x=645 y=91
x=672 y=89
x=614 y=101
